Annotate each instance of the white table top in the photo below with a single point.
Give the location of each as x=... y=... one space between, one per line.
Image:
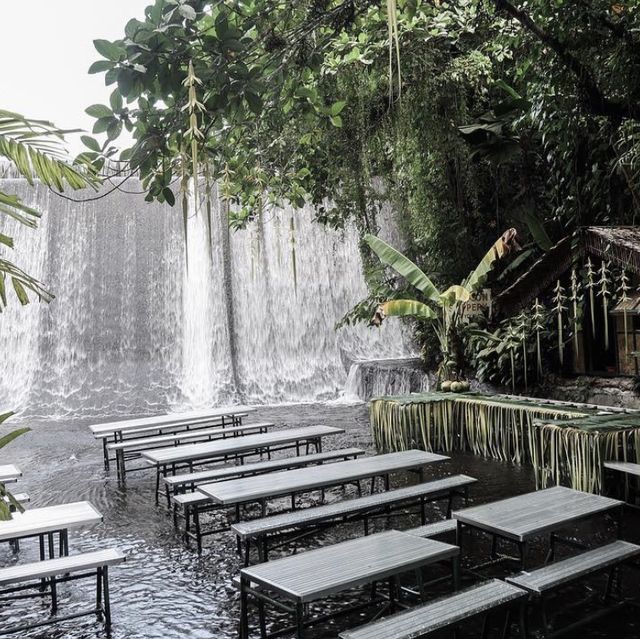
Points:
x=531 y=514
x=38 y=521
x=314 y=477
x=9 y=473
x=235 y=445
x=170 y=419
x=317 y=573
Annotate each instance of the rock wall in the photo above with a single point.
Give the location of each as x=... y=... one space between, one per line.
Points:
x=603 y=391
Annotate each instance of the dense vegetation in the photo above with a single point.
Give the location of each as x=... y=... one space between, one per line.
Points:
x=474 y=116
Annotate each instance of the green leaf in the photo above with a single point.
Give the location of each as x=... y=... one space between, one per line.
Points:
x=114 y=129
x=169 y=197
x=102 y=124
x=504 y=245
x=109 y=50
x=125 y=82
x=336 y=121
x=404 y=266
x=187 y=12
x=100 y=66
x=115 y=100
x=7 y=439
x=254 y=101
x=408 y=308
x=90 y=143
x=98 y=111
x=5 y=416
x=336 y=107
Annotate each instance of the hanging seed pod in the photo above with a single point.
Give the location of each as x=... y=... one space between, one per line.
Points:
x=538 y=326
x=590 y=286
x=623 y=297
x=604 y=292
x=559 y=307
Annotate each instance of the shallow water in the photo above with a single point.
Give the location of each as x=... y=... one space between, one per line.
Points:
x=167 y=591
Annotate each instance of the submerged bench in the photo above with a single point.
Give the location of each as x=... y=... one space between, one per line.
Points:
x=446 y=612
x=181 y=483
x=19 y=578
x=133 y=448
x=542 y=581
x=307 y=520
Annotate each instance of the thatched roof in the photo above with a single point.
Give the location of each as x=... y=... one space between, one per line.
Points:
x=619 y=245
x=540 y=276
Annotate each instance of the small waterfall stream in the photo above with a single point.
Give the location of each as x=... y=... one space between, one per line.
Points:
x=132 y=330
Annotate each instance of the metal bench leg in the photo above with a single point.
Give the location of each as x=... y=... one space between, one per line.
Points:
x=247 y=551
x=494 y=546
x=262 y=620
x=507 y=624
x=105 y=453
x=198 y=531
x=544 y=618
x=485 y=626
x=450 y=505
x=455 y=572
x=300 y=620
x=54 y=595
x=522 y=620
x=244 y=615
x=99 y=609
x=107 y=601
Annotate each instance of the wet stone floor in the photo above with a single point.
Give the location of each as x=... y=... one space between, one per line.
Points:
x=167 y=591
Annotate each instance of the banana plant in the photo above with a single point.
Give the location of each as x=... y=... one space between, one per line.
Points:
x=442 y=309
x=7 y=501
x=605 y=294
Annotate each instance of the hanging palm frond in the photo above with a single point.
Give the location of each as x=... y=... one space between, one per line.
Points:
x=604 y=292
x=575 y=317
x=590 y=286
x=538 y=320
x=623 y=299
x=559 y=299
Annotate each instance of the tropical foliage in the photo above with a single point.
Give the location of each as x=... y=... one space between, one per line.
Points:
x=7 y=501
x=35 y=149
x=447 y=320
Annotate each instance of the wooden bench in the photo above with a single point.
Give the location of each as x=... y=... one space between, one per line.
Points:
x=435 y=529
x=445 y=612
x=169 y=423
x=188 y=481
x=22 y=577
x=308 y=520
x=629 y=491
x=132 y=448
x=541 y=582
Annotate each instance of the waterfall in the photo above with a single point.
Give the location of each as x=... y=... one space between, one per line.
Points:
x=137 y=326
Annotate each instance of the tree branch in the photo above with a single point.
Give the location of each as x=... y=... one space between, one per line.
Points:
x=595 y=99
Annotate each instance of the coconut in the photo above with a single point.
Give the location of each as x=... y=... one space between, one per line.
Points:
x=445 y=387
x=465 y=386
x=456 y=387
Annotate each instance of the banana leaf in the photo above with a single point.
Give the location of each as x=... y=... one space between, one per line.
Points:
x=404 y=266
x=408 y=308
x=504 y=245
x=453 y=294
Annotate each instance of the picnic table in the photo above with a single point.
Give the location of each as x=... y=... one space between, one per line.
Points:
x=313 y=575
x=300 y=480
x=45 y=522
x=9 y=473
x=115 y=431
x=175 y=457
x=519 y=519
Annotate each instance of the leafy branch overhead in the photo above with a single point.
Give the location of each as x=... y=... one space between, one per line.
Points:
x=35 y=148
